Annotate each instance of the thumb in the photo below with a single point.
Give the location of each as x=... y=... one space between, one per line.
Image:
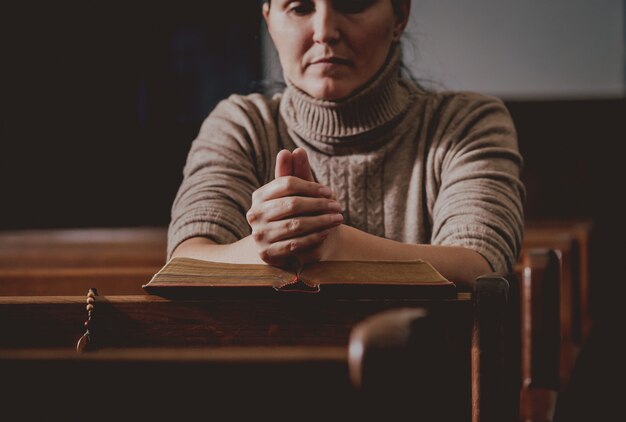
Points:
x=301 y=166
x=284 y=164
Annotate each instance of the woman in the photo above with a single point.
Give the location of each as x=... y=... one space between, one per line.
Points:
x=352 y=160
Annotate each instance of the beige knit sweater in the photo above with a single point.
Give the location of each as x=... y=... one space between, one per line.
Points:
x=408 y=165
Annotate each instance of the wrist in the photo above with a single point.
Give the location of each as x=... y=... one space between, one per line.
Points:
x=333 y=249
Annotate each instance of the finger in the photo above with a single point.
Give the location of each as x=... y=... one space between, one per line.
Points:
x=284 y=164
x=287 y=248
x=294 y=206
x=301 y=166
x=289 y=186
x=295 y=227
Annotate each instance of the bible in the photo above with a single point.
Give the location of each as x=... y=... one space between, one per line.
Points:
x=189 y=277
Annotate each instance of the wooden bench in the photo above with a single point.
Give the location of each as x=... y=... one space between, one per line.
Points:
x=69 y=262
x=94 y=247
x=118 y=261
x=75 y=260
x=571 y=238
x=258 y=351
x=541 y=349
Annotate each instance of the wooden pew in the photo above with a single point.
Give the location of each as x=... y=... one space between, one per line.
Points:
x=136 y=337
x=178 y=383
x=70 y=261
x=87 y=247
x=572 y=239
x=118 y=261
x=240 y=381
x=73 y=261
x=539 y=275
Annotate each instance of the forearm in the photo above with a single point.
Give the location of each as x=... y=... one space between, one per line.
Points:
x=458 y=264
x=241 y=252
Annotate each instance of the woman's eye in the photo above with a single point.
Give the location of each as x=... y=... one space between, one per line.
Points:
x=352 y=6
x=300 y=8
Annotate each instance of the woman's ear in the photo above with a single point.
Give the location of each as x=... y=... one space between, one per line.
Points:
x=266 y=17
x=266 y=11
x=403 y=12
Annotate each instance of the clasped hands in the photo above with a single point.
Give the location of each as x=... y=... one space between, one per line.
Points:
x=293 y=216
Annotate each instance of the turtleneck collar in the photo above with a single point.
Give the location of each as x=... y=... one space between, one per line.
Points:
x=324 y=123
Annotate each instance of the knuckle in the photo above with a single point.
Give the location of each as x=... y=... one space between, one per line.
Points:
x=292 y=246
x=289 y=183
x=291 y=205
x=333 y=219
x=265 y=255
x=258 y=235
x=251 y=216
x=294 y=225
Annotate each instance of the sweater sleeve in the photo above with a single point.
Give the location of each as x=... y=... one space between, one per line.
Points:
x=232 y=156
x=480 y=200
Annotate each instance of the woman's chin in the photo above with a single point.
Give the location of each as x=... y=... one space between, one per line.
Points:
x=331 y=91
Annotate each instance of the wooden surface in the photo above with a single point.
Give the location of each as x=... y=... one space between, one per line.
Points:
x=552 y=234
x=250 y=349
x=119 y=261
x=70 y=261
x=541 y=321
x=243 y=355
x=150 y=321
x=179 y=383
x=97 y=247
x=413 y=348
x=220 y=355
x=570 y=304
x=74 y=280
x=539 y=274
x=495 y=349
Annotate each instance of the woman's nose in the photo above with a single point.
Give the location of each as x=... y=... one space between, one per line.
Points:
x=326 y=25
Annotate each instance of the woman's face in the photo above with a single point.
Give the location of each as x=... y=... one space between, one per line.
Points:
x=330 y=48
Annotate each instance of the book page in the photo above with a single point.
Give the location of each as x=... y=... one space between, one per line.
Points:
x=195 y=272
x=372 y=272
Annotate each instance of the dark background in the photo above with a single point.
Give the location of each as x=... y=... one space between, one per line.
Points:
x=99 y=105
x=574 y=168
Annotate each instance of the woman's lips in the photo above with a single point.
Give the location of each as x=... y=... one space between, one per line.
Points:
x=328 y=61
x=330 y=66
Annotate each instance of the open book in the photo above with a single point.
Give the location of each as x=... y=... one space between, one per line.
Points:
x=193 y=277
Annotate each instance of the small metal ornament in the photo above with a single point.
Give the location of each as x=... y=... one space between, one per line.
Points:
x=85 y=339
x=83 y=342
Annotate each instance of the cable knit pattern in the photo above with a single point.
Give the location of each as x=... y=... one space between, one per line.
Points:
x=375 y=195
x=416 y=167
